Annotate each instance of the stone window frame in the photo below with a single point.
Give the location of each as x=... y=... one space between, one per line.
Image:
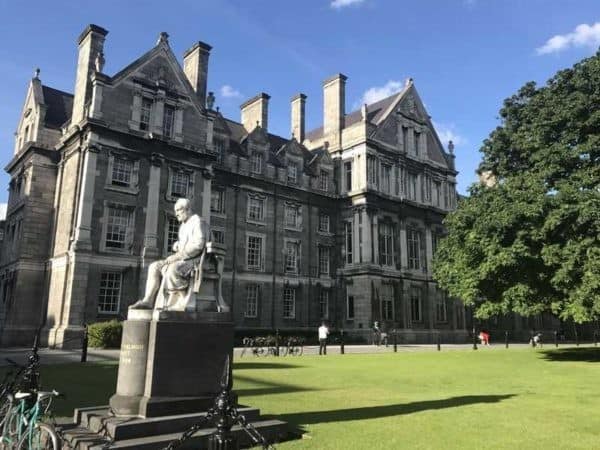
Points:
x=296 y=257
x=219 y=147
x=260 y=267
x=289 y=296
x=256 y=158
x=217 y=231
x=168 y=122
x=386 y=300
x=372 y=171
x=263 y=209
x=388 y=242
x=416 y=293
x=254 y=289
x=324 y=305
x=288 y=207
x=321 y=229
x=141 y=93
x=292 y=175
x=441 y=306
x=129 y=233
x=134 y=184
x=350 y=312
x=349 y=241
x=324 y=180
x=412 y=188
x=117 y=307
x=385 y=184
x=347 y=174
x=322 y=270
x=219 y=210
x=416 y=261
x=173 y=169
x=170 y=219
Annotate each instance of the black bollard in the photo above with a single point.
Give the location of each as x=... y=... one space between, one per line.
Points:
x=474 y=340
x=506 y=339
x=84 y=344
x=342 y=341
x=556 y=339
x=277 y=342
x=222 y=438
x=576 y=338
x=395 y=341
x=439 y=343
x=595 y=339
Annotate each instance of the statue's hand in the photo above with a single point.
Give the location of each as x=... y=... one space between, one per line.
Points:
x=172 y=258
x=176 y=246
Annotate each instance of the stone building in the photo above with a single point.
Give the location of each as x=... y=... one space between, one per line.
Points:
x=338 y=223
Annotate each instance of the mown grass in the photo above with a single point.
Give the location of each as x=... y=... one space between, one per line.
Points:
x=491 y=398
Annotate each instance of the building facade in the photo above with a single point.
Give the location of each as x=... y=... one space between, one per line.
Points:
x=338 y=223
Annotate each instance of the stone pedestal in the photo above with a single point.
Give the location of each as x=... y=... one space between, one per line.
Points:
x=171 y=362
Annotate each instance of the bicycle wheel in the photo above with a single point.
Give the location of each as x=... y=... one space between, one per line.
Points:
x=298 y=350
x=10 y=430
x=42 y=437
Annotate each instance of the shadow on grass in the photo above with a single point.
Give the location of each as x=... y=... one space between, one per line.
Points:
x=265 y=387
x=376 y=412
x=257 y=365
x=585 y=354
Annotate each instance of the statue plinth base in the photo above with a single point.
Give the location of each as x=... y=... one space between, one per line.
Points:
x=171 y=362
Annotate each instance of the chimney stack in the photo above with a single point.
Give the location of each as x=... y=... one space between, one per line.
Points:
x=334 y=107
x=195 y=67
x=298 y=118
x=91 y=46
x=256 y=112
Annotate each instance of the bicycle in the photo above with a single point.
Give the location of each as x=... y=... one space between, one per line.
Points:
x=294 y=347
x=23 y=428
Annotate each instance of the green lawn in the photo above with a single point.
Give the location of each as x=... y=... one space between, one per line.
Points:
x=490 y=398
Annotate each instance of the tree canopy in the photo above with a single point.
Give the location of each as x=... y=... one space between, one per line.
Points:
x=530 y=242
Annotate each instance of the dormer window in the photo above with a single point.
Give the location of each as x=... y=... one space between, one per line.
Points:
x=168 y=121
x=292 y=173
x=324 y=180
x=256 y=162
x=145 y=114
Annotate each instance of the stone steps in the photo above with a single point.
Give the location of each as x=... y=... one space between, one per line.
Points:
x=96 y=429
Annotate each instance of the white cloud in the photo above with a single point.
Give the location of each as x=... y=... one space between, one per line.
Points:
x=377 y=93
x=584 y=35
x=3 y=211
x=339 y=4
x=229 y=92
x=447 y=132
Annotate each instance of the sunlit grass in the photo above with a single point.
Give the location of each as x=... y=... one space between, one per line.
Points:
x=490 y=398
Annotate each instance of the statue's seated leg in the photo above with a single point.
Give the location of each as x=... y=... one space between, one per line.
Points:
x=152 y=285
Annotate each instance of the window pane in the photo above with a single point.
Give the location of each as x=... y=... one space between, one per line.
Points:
x=172 y=232
x=116 y=228
x=289 y=303
x=121 y=173
x=254 y=249
x=324 y=304
x=251 y=300
x=110 y=292
x=145 y=114
x=179 y=183
x=168 y=121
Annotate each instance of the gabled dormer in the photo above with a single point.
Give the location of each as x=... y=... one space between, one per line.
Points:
x=44 y=112
x=153 y=97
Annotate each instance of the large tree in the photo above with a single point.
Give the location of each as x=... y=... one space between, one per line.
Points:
x=530 y=242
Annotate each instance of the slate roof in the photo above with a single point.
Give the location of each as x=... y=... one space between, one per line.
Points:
x=60 y=107
x=375 y=112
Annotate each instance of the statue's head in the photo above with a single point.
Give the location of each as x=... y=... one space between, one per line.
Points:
x=183 y=209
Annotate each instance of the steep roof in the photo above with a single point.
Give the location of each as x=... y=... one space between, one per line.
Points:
x=59 y=107
x=375 y=113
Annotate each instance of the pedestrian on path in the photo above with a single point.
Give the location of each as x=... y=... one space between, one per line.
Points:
x=323 y=333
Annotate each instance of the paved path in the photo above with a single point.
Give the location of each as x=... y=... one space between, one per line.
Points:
x=48 y=356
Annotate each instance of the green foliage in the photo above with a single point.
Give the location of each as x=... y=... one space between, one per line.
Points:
x=105 y=334
x=531 y=242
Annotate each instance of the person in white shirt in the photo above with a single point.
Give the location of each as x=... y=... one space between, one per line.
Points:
x=323 y=333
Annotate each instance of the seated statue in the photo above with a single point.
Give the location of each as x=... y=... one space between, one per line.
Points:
x=169 y=280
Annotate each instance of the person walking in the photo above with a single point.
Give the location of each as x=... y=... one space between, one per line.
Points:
x=323 y=333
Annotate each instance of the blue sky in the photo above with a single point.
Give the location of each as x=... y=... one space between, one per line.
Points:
x=465 y=56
